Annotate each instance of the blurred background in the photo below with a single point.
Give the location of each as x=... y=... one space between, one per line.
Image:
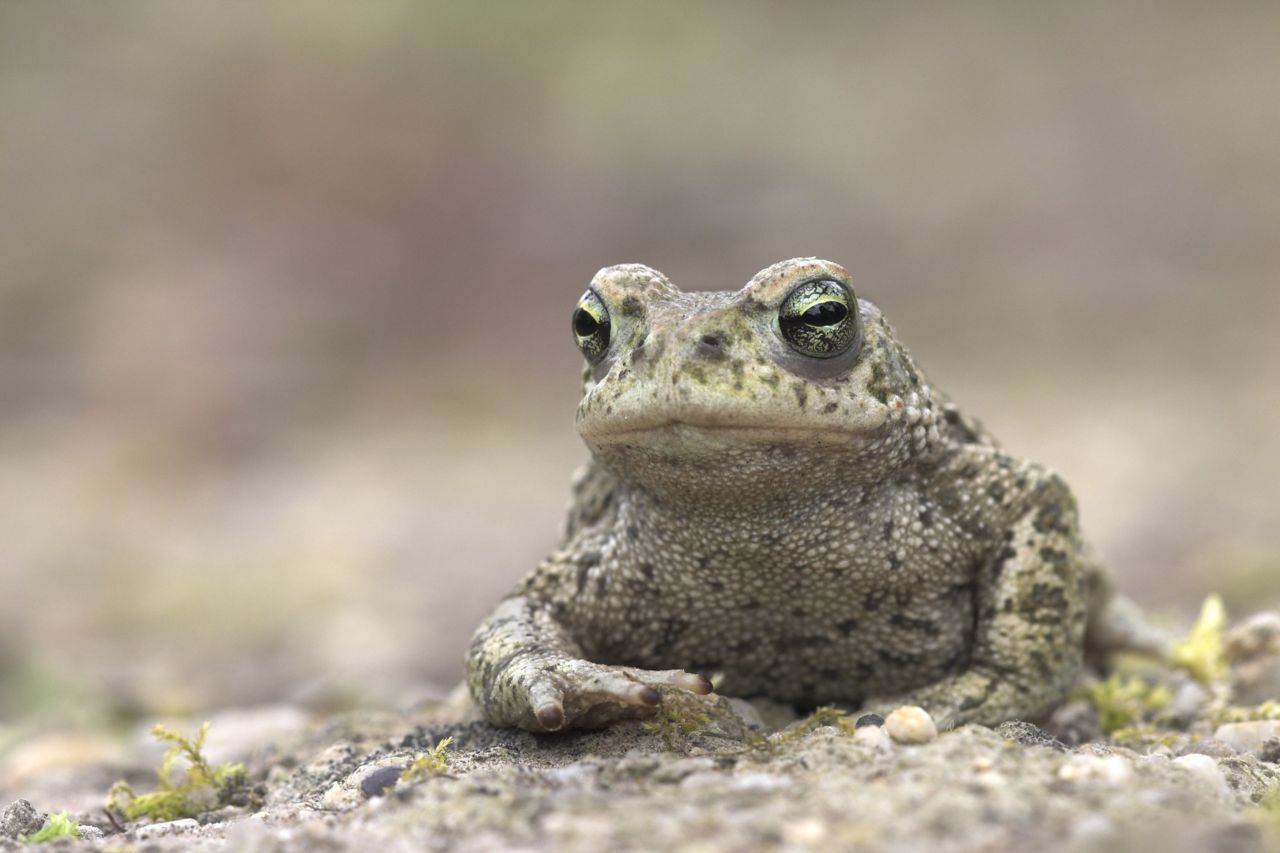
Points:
x=286 y=378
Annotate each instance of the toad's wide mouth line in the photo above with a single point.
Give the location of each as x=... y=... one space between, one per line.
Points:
x=672 y=428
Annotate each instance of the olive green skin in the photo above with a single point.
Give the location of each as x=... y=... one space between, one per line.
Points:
x=811 y=528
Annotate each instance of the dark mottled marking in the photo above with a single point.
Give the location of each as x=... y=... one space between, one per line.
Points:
x=949 y=499
x=1054 y=557
x=646 y=569
x=877 y=384
x=996 y=490
x=800 y=642
x=1050 y=518
x=802 y=394
x=922 y=626
x=1045 y=603
x=585 y=563
x=847 y=627
x=899 y=658
x=672 y=630
x=829 y=408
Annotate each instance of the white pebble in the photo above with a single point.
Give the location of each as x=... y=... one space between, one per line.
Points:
x=159 y=830
x=1249 y=736
x=911 y=724
x=1086 y=767
x=1206 y=769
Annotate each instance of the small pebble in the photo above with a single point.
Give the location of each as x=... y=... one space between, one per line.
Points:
x=1256 y=636
x=1086 y=767
x=20 y=818
x=875 y=737
x=1206 y=769
x=869 y=720
x=1028 y=734
x=911 y=724
x=1251 y=736
x=1092 y=828
x=377 y=782
x=171 y=827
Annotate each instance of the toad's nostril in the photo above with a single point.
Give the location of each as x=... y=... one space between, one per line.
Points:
x=711 y=346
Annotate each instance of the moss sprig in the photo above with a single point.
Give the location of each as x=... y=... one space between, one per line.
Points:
x=434 y=762
x=55 y=826
x=1125 y=702
x=201 y=788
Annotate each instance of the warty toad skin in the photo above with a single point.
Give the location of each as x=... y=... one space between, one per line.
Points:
x=779 y=499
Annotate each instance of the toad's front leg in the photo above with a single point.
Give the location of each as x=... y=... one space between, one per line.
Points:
x=1028 y=647
x=525 y=669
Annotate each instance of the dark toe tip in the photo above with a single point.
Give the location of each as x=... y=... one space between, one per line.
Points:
x=706 y=684
x=649 y=696
x=550 y=717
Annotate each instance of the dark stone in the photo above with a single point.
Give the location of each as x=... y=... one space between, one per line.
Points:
x=1270 y=751
x=869 y=720
x=377 y=782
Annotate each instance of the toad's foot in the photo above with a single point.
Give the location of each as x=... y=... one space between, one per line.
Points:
x=525 y=670
x=580 y=694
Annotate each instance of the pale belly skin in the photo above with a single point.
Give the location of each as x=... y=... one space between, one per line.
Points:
x=896 y=557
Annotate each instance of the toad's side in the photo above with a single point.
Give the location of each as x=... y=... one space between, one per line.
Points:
x=779 y=499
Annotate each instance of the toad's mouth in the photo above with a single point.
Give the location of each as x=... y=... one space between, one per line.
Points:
x=668 y=431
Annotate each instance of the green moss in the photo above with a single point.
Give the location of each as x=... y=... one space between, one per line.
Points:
x=432 y=763
x=201 y=788
x=55 y=826
x=1125 y=702
x=1243 y=714
x=1147 y=736
x=1200 y=652
x=676 y=721
x=1267 y=816
x=825 y=715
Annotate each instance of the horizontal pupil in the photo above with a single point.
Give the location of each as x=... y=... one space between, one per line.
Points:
x=584 y=325
x=825 y=314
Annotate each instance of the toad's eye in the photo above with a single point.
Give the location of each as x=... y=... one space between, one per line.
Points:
x=591 y=326
x=820 y=319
